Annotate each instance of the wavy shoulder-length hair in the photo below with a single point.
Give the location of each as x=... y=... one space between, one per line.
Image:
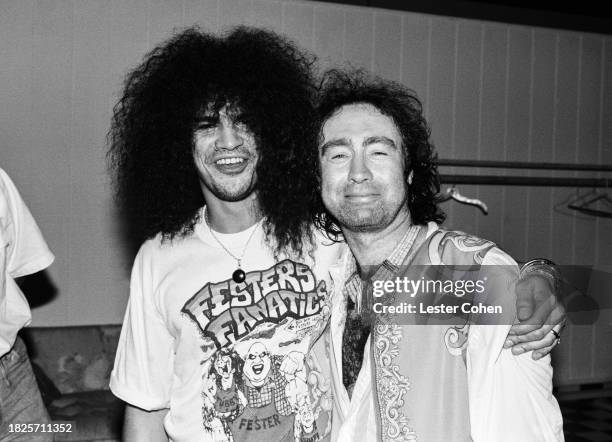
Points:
x=340 y=88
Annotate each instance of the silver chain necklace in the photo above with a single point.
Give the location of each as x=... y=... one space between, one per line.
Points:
x=238 y=275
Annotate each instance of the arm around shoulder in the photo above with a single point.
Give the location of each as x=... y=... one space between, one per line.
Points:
x=510 y=396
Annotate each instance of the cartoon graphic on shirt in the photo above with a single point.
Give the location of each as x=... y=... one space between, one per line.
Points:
x=229 y=399
x=228 y=311
x=264 y=381
x=258 y=383
x=215 y=426
x=305 y=425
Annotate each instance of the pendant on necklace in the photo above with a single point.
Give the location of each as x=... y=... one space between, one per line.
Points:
x=238 y=275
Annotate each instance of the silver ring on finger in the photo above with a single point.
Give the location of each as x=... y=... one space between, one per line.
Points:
x=557 y=336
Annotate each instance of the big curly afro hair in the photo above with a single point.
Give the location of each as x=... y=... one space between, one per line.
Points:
x=339 y=88
x=152 y=132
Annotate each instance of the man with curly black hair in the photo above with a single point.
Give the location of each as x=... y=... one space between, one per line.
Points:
x=434 y=363
x=212 y=143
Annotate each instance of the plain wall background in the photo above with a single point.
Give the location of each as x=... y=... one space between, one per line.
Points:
x=491 y=91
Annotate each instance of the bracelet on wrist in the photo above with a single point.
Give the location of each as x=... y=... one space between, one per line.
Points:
x=542 y=267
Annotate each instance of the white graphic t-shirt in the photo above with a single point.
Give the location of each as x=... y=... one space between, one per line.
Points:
x=232 y=361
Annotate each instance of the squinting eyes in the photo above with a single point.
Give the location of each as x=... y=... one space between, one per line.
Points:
x=208 y=126
x=339 y=156
x=346 y=155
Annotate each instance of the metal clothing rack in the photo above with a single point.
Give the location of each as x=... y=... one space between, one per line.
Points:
x=526 y=180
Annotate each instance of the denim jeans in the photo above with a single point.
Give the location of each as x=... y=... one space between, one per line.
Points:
x=20 y=401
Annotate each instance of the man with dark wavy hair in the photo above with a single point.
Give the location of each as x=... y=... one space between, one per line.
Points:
x=409 y=362
x=210 y=143
x=212 y=146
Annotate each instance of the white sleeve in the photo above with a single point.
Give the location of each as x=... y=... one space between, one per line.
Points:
x=26 y=252
x=3 y=248
x=510 y=397
x=143 y=370
x=23 y=251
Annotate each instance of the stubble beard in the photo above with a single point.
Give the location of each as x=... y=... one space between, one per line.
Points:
x=231 y=195
x=371 y=219
x=361 y=219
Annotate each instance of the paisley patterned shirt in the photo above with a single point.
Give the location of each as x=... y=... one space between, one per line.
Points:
x=435 y=377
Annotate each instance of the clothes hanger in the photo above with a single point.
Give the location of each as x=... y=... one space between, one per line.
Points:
x=586 y=204
x=453 y=193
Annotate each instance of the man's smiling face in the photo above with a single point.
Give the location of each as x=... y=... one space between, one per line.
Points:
x=225 y=155
x=362 y=168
